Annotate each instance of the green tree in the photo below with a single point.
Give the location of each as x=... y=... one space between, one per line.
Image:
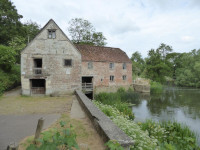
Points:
x=188 y=69
x=82 y=32
x=17 y=44
x=7 y=58
x=138 y=64
x=157 y=64
x=31 y=29
x=164 y=50
x=10 y=25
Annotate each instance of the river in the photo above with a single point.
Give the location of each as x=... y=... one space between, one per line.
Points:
x=175 y=103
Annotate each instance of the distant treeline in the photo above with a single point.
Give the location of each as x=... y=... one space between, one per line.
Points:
x=163 y=65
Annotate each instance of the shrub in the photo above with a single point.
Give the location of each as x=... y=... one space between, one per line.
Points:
x=9 y=80
x=114 y=145
x=140 y=138
x=52 y=140
x=7 y=58
x=156 y=87
x=171 y=135
x=152 y=135
x=121 y=90
x=116 y=100
x=180 y=135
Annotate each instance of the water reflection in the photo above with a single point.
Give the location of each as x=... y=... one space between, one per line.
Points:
x=180 y=104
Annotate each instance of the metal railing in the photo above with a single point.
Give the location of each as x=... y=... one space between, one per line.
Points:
x=37 y=71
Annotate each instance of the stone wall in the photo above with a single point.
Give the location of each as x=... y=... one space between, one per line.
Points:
x=101 y=74
x=105 y=127
x=59 y=79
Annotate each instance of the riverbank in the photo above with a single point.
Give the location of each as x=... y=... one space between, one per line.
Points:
x=149 y=134
x=173 y=104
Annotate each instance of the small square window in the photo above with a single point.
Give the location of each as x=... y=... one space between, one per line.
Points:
x=124 y=66
x=111 y=65
x=51 y=34
x=124 y=77
x=90 y=65
x=111 y=78
x=68 y=62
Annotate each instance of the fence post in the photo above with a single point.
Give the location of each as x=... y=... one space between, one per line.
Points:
x=38 y=129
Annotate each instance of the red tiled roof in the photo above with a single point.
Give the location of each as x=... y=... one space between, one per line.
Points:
x=102 y=54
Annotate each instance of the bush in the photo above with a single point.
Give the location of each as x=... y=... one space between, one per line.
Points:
x=53 y=140
x=152 y=135
x=171 y=135
x=121 y=90
x=7 y=58
x=156 y=87
x=10 y=79
x=140 y=138
x=119 y=100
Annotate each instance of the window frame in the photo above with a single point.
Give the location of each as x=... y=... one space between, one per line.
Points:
x=64 y=64
x=112 y=78
x=124 y=66
x=90 y=65
x=50 y=31
x=111 y=66
x=124 y=77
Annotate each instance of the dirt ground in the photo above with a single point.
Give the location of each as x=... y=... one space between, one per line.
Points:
x=87 y=137
x=13 y=103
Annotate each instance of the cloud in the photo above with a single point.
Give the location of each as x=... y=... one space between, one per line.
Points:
x=130 y=25
x=187 y=38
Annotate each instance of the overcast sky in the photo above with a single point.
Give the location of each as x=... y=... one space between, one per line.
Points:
x=132 y=25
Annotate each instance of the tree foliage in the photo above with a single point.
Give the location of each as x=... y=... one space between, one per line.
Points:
x=13 y=38
x=138 y=64
x=157 y=66
x=31 y=29
x=10 y=24
x=188 y=69
x=7 y=58
x=82 y=32
x=163 y=64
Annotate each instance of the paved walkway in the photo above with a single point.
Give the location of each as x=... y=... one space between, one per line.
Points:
x=76 y=110
x=13 y=128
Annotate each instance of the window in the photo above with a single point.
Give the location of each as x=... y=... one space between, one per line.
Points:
x=51 y=34
x=124 y=77
x=111 y=78
x=90 y=65
x=111 y=66
x=68 y=62
x=37 y=70
x=124 y=66
x=37 y=63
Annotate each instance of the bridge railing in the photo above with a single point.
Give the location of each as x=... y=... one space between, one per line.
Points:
x=87 y=86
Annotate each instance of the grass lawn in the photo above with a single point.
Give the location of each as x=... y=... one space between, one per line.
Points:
x=18 y=104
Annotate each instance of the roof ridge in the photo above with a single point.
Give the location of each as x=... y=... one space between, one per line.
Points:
x=96 y=46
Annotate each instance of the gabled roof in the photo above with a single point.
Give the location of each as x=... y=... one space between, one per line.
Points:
x=102 y=54
x=42 y=29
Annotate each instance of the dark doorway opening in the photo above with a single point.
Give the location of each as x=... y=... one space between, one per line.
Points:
x=87 y=86
x=37 y=86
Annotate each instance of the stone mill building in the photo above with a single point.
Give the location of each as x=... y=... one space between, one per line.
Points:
x=52 y=65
